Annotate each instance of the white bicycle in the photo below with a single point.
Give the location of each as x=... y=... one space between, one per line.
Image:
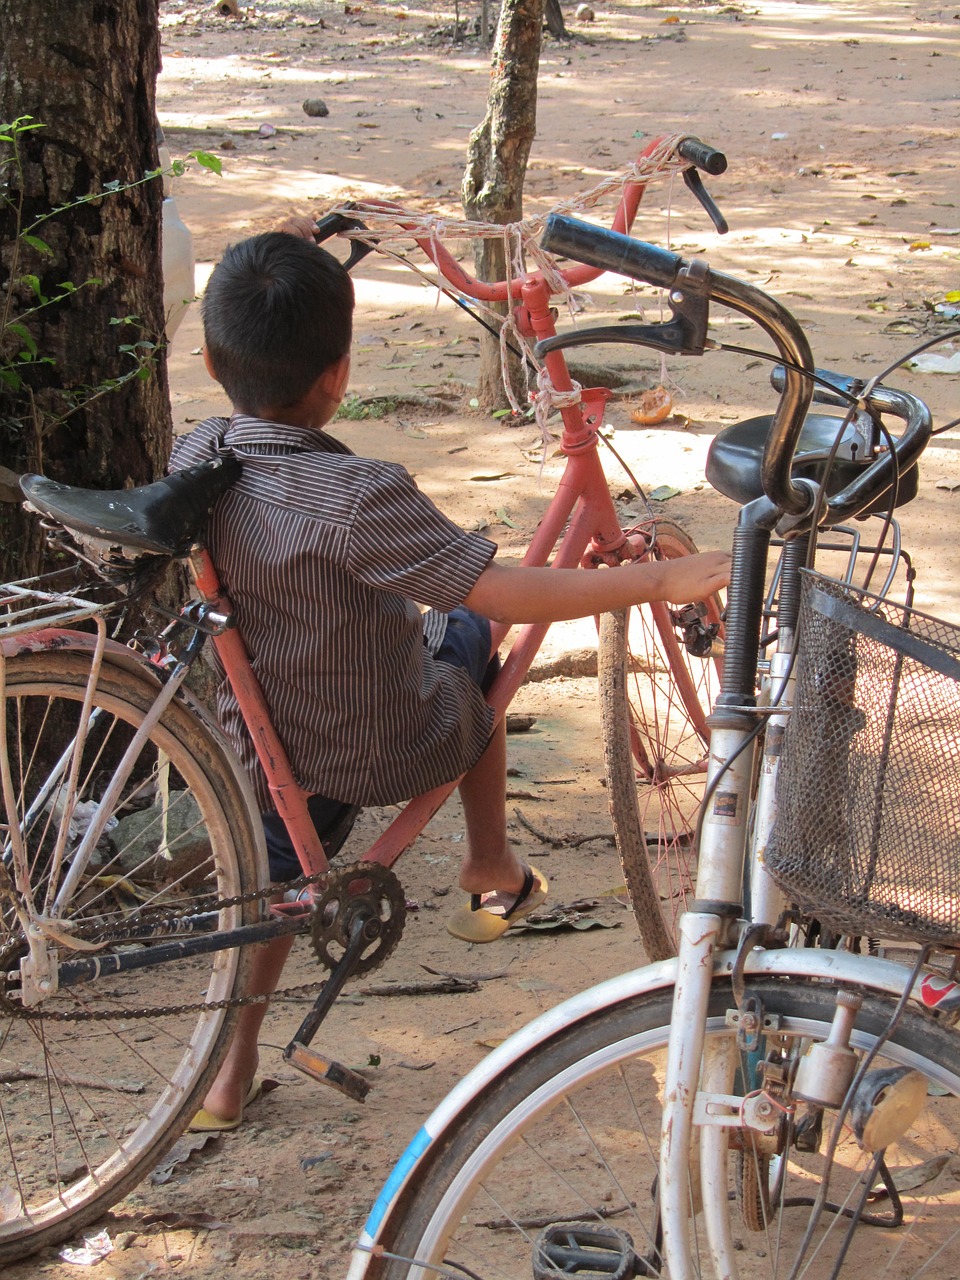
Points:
x=783 y=1098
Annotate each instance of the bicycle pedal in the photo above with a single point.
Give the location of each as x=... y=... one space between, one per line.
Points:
x=588 y=1250
x=335 y=1074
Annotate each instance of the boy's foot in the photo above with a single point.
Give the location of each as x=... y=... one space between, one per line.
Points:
x=488 y=916
x=206 y=1122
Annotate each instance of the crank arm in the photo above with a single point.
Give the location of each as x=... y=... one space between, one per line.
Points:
x=363 y=931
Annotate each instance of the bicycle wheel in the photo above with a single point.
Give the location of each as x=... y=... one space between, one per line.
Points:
x=655 y=697
x=561 y=1148
x=99 y=1079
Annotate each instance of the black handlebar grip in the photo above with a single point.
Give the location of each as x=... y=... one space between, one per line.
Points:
x=610 y=251
x=705 y=157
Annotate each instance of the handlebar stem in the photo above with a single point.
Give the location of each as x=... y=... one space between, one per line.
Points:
x=797 y=393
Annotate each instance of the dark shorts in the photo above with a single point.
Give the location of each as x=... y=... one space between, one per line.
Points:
x=466 y=644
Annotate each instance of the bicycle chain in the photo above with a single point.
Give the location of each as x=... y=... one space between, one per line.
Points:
x=118 y=934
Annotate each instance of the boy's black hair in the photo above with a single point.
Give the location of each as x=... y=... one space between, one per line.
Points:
x=277 y=312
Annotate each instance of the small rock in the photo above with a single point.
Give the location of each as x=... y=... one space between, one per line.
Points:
x=315 y=107
x=584 y=13
x=266 y=130
x=228 y=144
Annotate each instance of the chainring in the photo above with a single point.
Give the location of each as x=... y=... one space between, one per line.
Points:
x=366 y=889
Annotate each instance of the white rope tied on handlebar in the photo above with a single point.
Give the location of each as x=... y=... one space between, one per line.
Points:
x=521 y=245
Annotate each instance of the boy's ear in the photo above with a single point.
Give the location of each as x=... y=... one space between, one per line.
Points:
x=333 y=380
x=209 y=365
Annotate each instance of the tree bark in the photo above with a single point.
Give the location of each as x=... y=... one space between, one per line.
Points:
x=87 y=72
x=497 y=159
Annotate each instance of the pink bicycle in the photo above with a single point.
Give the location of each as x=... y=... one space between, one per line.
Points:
x=133 y=876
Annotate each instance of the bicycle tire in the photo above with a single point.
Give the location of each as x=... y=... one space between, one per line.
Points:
x=88 y=1107
x=571 y=1131
x=655 y=697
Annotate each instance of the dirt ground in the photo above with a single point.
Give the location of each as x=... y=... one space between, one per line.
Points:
x=841 y=124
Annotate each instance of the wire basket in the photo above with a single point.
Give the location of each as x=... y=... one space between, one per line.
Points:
x=867 y=837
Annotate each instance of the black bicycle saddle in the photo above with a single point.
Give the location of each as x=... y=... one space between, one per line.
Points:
x=733 y=460
x=164 y=518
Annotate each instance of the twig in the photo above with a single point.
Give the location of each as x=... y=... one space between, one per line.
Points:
x=446 y=986
x=561 y=842
x=80 y=1082
x=600 y=835
x=542 y=836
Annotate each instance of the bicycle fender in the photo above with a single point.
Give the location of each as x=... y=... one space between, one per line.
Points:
x=64 y=640
x=865 y=972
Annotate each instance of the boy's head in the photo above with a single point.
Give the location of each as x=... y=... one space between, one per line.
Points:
x=277 y=314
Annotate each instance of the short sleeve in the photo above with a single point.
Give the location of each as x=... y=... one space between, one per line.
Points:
x=400 y=541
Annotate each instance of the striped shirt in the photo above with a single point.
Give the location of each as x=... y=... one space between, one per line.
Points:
x=323 y=554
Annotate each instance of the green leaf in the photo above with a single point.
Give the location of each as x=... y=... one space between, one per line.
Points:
x=33 y=283
x=41 y=246
x=112 y=186
x=207 y=161
x=25 y=336
x=504 y=518
x=13 y=380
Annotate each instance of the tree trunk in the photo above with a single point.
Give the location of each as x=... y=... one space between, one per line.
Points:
x=553 y=17
x=497 y=159
x=87 y=73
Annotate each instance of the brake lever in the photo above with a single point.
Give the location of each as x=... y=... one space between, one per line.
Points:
x=332 y=225
x=684 y=334
x=695 y=184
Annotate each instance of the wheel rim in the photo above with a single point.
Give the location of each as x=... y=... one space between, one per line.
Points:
x=86 y=1105
x=670 y=693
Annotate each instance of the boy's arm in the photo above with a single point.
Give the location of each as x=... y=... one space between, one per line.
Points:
x=512 y=594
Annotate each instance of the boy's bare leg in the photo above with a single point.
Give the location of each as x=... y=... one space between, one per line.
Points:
x=489 y=862
x=226 y=1095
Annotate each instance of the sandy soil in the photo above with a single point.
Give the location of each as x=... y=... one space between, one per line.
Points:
x=841 y=124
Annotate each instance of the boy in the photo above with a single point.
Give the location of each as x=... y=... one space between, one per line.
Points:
x=324 y=554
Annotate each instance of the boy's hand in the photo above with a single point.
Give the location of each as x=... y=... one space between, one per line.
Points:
x=298 y=225
x=690 y=578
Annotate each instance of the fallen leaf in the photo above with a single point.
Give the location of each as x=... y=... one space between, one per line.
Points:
x=921 y=1174
x=180 y=1153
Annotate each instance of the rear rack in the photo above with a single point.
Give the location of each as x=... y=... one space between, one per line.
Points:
x=39 y=602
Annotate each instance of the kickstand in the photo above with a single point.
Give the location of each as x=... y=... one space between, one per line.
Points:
x=363 y=931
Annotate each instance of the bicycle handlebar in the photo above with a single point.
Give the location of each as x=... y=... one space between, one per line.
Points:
x=705 y=157
x=612 y=251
